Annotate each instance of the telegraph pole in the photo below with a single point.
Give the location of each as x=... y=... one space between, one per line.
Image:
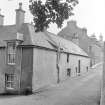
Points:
x=58 y=61
x=102 y=101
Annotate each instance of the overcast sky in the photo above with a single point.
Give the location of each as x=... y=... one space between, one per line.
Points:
x=88 y=13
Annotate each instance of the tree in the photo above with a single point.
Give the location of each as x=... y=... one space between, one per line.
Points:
x=55 y=11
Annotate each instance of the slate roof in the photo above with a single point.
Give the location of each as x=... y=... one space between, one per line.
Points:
x=67 y=46
x=42 y=39
x=8 y=32
x=39 y=39
x=45 y=39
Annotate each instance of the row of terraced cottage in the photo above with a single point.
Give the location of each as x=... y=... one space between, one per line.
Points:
x=30 y=60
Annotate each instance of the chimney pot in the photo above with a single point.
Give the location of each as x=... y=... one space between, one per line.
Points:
x=75 y=38
x=20 y=5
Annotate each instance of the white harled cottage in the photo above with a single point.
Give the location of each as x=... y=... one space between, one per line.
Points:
x=30 y=60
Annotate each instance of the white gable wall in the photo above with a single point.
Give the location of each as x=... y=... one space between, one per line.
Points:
x=44 y=68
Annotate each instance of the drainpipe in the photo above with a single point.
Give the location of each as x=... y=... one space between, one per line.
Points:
x=20 y=71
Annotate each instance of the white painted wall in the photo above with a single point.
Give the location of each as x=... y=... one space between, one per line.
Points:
x=73 y=63
x=44 y=68
x=45 y=71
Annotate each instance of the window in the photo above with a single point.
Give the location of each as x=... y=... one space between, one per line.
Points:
x=11 y=53
x=76 y=69
x=67 y=57
x=9 y=81
x=87 y=68
x=79 y=66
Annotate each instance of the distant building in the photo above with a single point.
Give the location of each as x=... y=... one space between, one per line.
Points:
x=90 y=45
x=30 y=60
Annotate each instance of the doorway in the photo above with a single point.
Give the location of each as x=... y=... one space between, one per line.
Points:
x=79 y=67
x=69 y=72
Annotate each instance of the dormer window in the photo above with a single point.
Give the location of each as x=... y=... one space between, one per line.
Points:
x=11 y=53
x=19 y=36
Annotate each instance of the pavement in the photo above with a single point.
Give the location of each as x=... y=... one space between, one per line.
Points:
x=80 y=90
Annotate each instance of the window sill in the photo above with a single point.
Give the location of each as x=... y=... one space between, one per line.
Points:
x=9 y=88
x=11 y=63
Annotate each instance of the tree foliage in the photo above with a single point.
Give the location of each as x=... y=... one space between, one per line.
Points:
x=55 y=11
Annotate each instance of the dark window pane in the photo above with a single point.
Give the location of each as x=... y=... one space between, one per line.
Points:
x=9 y=80
x=11 y=53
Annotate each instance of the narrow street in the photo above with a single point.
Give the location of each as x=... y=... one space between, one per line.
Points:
x=81 y=90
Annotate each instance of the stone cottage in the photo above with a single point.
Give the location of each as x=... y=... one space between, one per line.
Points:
x=30 y=60
x=92 y=46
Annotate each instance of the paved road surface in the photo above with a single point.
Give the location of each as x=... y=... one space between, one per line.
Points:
x=82 y=90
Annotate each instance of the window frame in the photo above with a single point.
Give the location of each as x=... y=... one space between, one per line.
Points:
x=9 y=81
x=11 y=53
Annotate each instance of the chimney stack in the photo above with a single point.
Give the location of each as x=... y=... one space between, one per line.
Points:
x=101 y=38
x=19 y=16
x=1 y=19
x=84 y=31
x=72 y=23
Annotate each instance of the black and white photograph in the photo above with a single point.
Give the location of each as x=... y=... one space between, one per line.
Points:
x=52 y=52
